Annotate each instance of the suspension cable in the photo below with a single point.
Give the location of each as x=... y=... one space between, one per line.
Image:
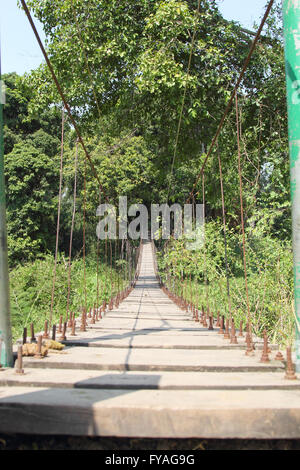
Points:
x=72 y=228
x=98 y=246
x=242 y=215
x=84 y=237
x=225 y=233
x=58 y=214
x=105 y=280
x=111 y=272
x=204 y=245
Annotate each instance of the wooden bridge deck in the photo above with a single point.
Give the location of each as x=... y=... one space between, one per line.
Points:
x=148 y=370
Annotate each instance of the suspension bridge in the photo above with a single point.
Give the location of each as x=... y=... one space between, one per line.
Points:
x=150 y=361
x=150 y=368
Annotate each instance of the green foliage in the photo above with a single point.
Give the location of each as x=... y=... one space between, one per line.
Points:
x=200 y=275
x=126 y=168
x=31 y=171
x=130 y=60
x=31 y=287
x=18 y=124
x=32 y=180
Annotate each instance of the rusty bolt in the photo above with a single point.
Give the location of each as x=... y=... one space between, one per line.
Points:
x=249 y=350
x=39 y=347
x=19 y=362
x=63 y=335
x=290 y=371
x=250 y=337
x=73 y=332
x=46 y=334
x=265 y=356
x=233 y=338
x=53 y=332
x=222 y=324
x=24 y=335
x=32 y=339
x=226 y=334
x=279 y=356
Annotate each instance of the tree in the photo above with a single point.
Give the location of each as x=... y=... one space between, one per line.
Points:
x=130 y=59
x=31 y=169
x=32 y=185
x=123 y=67
x=18 y=124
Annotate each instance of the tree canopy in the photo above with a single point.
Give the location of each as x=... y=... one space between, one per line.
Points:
x=128 y=70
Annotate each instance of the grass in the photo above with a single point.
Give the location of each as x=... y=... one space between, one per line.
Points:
x=31 y=288
x=271 y=307
x=269 y=277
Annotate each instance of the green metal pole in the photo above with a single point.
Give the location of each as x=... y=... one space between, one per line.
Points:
x=291 y=22
x=6 y=354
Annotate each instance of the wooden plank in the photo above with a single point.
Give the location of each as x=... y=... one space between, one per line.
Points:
x=151 y=413
x=153 y=360
x=81 y=378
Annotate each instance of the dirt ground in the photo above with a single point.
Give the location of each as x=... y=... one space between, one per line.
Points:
x=30 y=442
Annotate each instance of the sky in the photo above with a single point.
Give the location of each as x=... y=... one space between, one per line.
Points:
x=245 y=11
x=20 y=52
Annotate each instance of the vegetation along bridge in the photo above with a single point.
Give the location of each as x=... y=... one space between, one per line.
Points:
x=155 y=338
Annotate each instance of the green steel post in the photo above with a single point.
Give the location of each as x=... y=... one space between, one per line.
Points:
x=291 y=22
x=6 y=354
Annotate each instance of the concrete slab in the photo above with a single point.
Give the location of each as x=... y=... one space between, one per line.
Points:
x=149 y=341
x=153 y=360
x=95 y=331
x=68 y=378
x=136 y=323
x=152 y=413
x=149 y=316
